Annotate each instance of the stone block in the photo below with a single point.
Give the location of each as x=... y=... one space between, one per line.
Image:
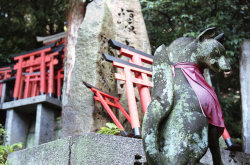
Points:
x=86 y=149
x=16 y=127
x=52 y=153
x=31 y=102
x=101 y=149
x=98 y=149
x=19 y=120
x=44 y=124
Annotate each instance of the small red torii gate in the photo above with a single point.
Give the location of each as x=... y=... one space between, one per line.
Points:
x=108 y=100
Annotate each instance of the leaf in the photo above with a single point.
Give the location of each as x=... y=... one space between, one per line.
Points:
x=111 y=125
x=111 y=129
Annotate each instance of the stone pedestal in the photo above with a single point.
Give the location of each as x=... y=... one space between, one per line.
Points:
x=44 y=124
x=16 y=127
x=98 y=149
x=21 y=111
x=245 y=93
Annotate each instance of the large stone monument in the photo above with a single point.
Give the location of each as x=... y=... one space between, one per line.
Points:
x=104 y=20
x=245 y=93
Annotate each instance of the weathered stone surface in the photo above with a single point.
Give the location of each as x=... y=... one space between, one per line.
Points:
x=31 y=120
x=131 y=30
x=129 y=24
x=31 y=102
x=97 y=149
x=44 y=130
x=52 y=153
x=106 y=150
x=79 y=112
x=85 y=149
x=245 y=93
x=104 y=19
x=16 y=127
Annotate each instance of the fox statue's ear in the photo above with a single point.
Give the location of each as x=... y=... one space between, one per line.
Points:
x=220 y=37
x=208 y=33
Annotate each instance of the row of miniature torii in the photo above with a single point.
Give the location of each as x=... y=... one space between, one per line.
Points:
x=35 y=72
x=133 y=73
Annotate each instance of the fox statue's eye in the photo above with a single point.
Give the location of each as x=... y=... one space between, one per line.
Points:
x=212 y=61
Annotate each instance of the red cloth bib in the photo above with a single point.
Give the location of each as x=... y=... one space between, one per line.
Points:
x=207 y=97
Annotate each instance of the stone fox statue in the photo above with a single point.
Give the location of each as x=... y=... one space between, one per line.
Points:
x=178 y=127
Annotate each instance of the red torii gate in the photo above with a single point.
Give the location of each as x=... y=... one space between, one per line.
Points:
x=108 y=100
x=137 y=57
x=36 y=62
x=26 y=60
x=130 y=80
x=5 y=73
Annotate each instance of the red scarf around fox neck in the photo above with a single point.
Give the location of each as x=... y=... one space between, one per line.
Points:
x=207 y=97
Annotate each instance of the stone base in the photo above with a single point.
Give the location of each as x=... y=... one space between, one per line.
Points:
x=90 y=148
x=19 y=119
x=98 y=149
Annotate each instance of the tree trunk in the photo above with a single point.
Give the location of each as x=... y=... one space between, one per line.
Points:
x=75 y=16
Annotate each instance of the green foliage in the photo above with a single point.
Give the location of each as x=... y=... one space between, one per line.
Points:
x=167 y=20
x=5 y=150
x=21 y=22
x=110 y=129
x=2 y=132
